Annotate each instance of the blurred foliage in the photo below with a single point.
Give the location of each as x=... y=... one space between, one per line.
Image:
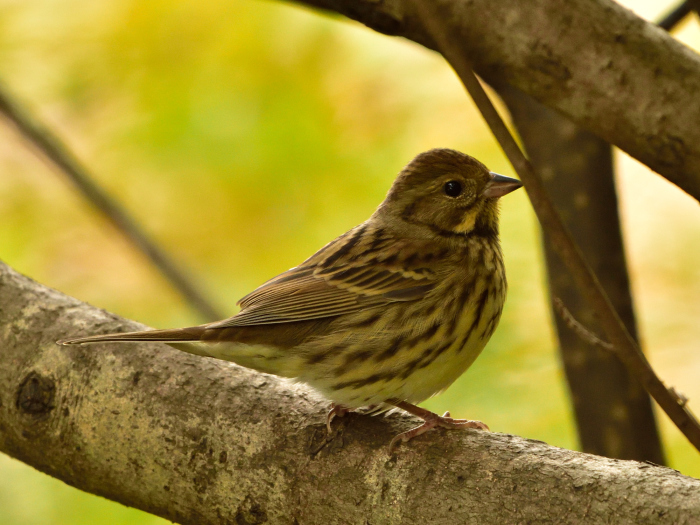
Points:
x=244 y=135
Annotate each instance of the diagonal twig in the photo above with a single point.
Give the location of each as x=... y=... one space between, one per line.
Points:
x=51 y=146
x=625 y=347
x=580 y=330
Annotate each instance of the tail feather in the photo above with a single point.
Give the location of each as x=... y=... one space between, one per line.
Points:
x=176 y=335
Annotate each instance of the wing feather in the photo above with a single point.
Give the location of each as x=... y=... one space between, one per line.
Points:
x=343 y=277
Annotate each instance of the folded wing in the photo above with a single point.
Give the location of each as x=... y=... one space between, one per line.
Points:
x=348 y=275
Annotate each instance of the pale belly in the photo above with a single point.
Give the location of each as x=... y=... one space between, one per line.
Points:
x=416 y=372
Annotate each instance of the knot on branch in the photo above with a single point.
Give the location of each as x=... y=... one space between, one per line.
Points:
x=35 y=395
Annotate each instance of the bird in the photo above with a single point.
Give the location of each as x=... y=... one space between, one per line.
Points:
x=388 y=314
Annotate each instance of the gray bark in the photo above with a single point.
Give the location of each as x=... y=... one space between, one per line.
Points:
x=594 y=61
x=201 y=441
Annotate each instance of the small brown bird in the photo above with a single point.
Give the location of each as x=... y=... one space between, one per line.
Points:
x=389 y=313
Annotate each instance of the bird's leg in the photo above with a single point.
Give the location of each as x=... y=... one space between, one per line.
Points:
x=340 y=411
x=336 y=410
x=432 y=420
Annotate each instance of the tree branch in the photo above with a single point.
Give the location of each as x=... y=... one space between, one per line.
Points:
x=597 y=63
x=675 y=16
x=552 y=225
x=613 y=413
x=201 y=441
x=53 y=149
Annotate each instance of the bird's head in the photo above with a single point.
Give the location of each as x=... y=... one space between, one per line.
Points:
x=447 y=193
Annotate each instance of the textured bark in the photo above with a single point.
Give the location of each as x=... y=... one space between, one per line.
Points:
x=201 y=441
x=613 y=412
x=594 y=61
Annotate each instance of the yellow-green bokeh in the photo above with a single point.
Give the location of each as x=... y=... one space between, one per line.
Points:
x=244 y=135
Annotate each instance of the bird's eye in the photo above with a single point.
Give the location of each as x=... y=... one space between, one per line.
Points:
x=453 y=188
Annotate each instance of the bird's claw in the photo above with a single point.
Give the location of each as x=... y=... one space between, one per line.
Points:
x=434 y=421
x=335 y=411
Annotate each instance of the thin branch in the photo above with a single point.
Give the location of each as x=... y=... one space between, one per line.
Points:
x=561 y=240
x=55 y=150
x=580 y=330
x=680 y=397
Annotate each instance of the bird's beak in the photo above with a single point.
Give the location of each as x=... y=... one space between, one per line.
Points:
x=500 y=185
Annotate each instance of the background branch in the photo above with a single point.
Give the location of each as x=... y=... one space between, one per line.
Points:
x=613 y=413
x=677 y=14
x=595 y=62
x=625 y=347
x=56 y=151
x=201 y=441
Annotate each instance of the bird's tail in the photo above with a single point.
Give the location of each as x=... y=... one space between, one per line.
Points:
x=176 y=335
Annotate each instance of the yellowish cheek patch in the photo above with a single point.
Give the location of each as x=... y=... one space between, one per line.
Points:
x=467 y=223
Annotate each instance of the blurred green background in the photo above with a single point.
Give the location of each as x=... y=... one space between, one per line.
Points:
x=244 y=135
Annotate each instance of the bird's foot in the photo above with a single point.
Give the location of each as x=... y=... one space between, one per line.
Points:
x=432 y=420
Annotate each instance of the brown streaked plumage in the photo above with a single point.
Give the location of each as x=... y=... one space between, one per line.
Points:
x=389 y=313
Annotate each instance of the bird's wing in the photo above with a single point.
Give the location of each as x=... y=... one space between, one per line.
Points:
x=361 y=269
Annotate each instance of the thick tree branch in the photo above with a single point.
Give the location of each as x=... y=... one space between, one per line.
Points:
x=202 y=441
x=594 y=61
